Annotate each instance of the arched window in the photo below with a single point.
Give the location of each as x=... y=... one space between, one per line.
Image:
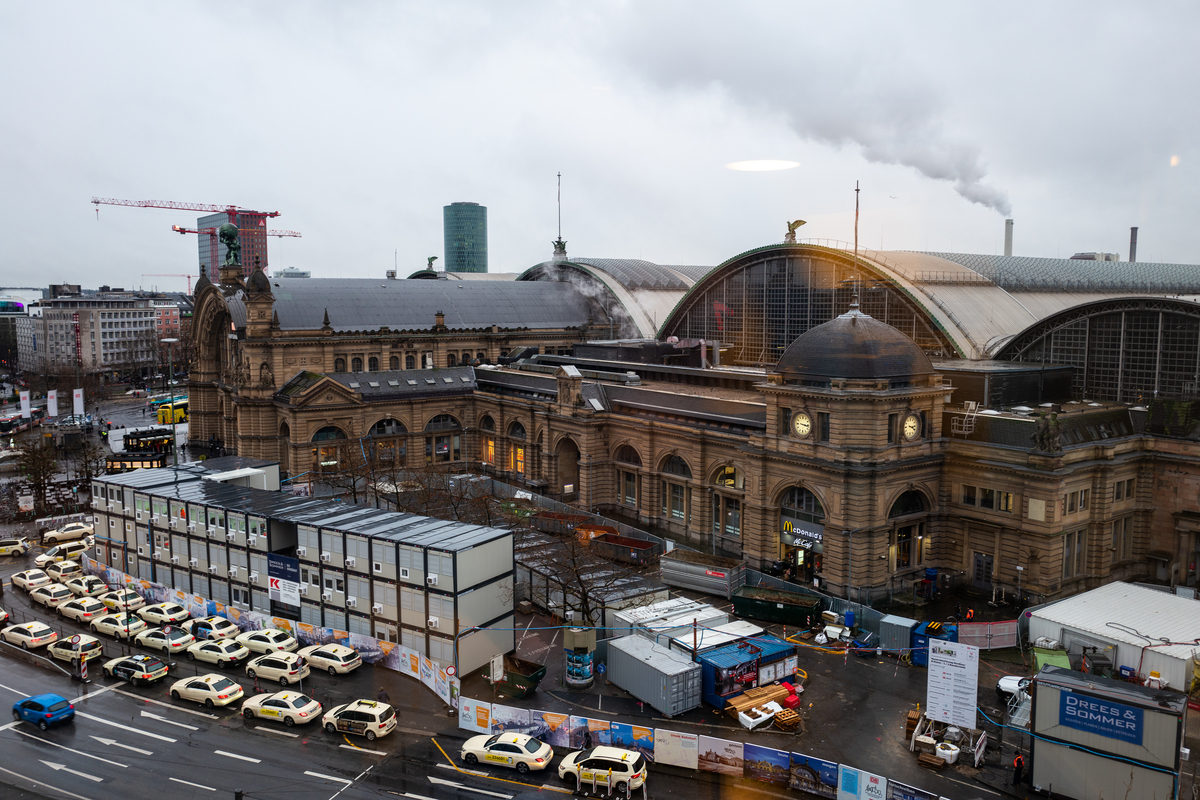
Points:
x=390 y=446
x=911 y=502
x=445 y=442
x=907 y=546
x=451 y=360
x=677 y=466
x=388 y=427
x=410 y=362
x=487 y=423
x=356 y=364
x=628 y=455
x=327 y=433
x=800 y=503
x=373 y=364
x=487 y=444
x=482 y=356
x=730 y=478
x=442 y=422
x=802 y=531
x=516 y=431
x=466 y=359
x=516 y=448
x=327 y=450
x=394 y=362
x=676 y=499
x=339 y=365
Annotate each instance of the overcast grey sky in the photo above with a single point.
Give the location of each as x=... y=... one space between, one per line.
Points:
x=359 y=121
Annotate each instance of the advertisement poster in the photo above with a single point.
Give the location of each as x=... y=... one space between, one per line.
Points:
x=441 y=685
x=474 y=715
x=733 y=680
x=25 y=412
x=553 y=729
x=77 y=401
x=677 y=749
x=766 y=764
x=632 y=737
x=900 y=791
x=427 y=672
x=52 y=403
x=854 y=784
x=587 y=733
x=721 y=756
x=814 y=775
x=507 y=718
x=953 y=683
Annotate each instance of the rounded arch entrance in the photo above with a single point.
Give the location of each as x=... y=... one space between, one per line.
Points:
x=566 y=457
x=801 y=532
x=328 y=449
x=907 y=550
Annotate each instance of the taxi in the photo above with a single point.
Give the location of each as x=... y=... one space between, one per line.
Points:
x=82 y=609
x=86 y=586
x=268 y=641
x=210 y=628
x=30 y=579
x=164 y=613
x=335 y=658
x=291 y=707
x=367 y=718
x=51 y=595
x=222 y=652
x=29 y=634
x=118 y=626
x=166 y=640
x=625 y=768
x=123 y=600
x=211 y=690
x=64 y=570
x=3 y=615
x=72 y=530
x=60 y=552
x=515 y=750
x=15 y=546
x=282 y=667
x=136 y=669
x=88 y=647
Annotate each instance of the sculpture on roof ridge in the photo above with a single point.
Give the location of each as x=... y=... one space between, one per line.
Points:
x=790 y=238
x=1047 y=435
x=233 y=249
x=429 y=263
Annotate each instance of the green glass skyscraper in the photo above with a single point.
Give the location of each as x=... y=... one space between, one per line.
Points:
x=464 y=231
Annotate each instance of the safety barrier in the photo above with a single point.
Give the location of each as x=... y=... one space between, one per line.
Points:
x=989 y=635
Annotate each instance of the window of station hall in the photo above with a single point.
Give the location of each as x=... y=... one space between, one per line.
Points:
x=326 y=453
x=356 y=364
x=390 y=439
x=675 y=495
x=444 y=442
x=907 y=548
x=629 y=462
x=727 y=507
x=487 y=443
x=516 y=448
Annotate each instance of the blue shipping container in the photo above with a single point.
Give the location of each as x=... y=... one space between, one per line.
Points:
x=922 y=635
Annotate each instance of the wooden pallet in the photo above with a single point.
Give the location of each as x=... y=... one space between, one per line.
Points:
x=910 y=724
x=931 y=762
x=787 y=720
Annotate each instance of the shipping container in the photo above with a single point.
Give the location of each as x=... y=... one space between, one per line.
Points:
x=734 y=668
x=703 y=641
x=622 y=622
x=896 y=634
x=663 y=631
x=774 y=605
x=687 y=569
x=667 y=681
x=928 y=632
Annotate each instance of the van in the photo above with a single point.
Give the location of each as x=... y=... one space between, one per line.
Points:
x=364 y=717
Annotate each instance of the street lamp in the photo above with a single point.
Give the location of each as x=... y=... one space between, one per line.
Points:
x=171 y=383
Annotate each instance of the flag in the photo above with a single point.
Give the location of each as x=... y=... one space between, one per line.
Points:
x=25 y=412
x=77 y=397
x=52 y=402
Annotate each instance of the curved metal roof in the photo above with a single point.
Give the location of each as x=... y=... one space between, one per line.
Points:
x=853 y=346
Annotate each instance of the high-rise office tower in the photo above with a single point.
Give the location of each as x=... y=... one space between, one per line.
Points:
x=464 y=231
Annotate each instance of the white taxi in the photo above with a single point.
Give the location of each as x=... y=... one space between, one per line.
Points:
x=283 y=667
x=14 y=546
x=516 y=750
x=611 y=766
x=123 y=600
x=118 y=626
x=164 y=613
x=334 y=658
x=88 y=647
x=82 y=609
x=60 y=552
x=30 y=579
x=367 y=718
x=86 y=586
x=222 y=652
x=29 y=634
x=62 y=571
x=268 y=641
x=211 y=690
x=51 y=594
x=291 y=707
x=210 y=628
x=72 y=530
x=168 y=639
x=136 y=669
x=3 y=615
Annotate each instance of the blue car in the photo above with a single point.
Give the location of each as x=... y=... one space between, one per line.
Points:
x=44 y=710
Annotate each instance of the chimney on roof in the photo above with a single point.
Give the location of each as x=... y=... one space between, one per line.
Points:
x=1008 y=226
x=1133 y=244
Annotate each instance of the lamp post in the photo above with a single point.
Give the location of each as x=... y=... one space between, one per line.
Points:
x=171 y=382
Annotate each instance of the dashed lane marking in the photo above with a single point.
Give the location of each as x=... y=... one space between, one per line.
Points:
x=363 y=750
x=166 y=721
x=171 y=706
x=125 y=727
x=101 y=690
x=235 y=755
x=277 y=733
x=68 y=749
x=39 y=782
x=189 y=783
x=346 y=781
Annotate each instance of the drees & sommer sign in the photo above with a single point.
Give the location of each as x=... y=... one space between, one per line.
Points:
x=1104 y=717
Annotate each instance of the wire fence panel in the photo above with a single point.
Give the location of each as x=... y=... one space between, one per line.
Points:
x=988 y=635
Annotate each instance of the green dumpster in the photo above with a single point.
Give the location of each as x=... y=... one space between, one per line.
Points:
x=774 y=605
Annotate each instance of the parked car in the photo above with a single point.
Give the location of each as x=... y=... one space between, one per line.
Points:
x=291 y=707
x=121 y=625
x=82 y=609
x=335 y=658
x=168 y=639
x=87 y=586
x=268 y=641
x=627 y=768
x=72 y=530
x=44 y=710
x=136 y=669
x=1012 y=686
x=210 y=628
x=30 y=579
x=50 y=595
x=87 y=648
x=514 y=750
x=222 y=652
x=368 y=718
x=14 y=546
x=29 y=635
x=61 y=552
x=123 y=600
x=210 y=690
x=63 y=571
x=283 y=667
x=164 y=613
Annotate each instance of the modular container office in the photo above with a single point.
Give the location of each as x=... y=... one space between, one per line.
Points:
x=400 y=578
x=623 y=621
x=896 y=634
x=664 y=630
x=667 y=681
x=730 y=670
x=702 y=641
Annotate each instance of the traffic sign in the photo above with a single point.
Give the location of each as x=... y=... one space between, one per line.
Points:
x=75 y=639
x=451 y=671
x=601 y=669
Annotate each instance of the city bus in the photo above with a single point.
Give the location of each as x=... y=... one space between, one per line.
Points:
x=180 y=408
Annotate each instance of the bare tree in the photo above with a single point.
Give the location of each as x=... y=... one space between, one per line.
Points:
x=89 y=460
x=435 y=491
x=353 y=473
x=39 y=463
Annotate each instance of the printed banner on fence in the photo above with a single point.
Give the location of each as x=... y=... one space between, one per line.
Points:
x=676 y=749
x=474 y=715
x=814 y=775
x=552 y=728
x=427 y=672
x=632 y=737
x=721 y=756
x=587 y=733
x=900 y=791
x=766 y=764
x=854 y=784
x=509 y=719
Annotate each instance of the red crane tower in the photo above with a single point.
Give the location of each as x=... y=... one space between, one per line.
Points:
x=251 y=225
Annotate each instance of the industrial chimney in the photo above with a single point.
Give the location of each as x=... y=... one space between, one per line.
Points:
x=1008 y=226
x=1133 y=243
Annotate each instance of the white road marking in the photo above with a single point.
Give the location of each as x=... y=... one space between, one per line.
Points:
x=14 y=691
x=478 y=772
x=64 y=768
x=115 y=743
x=348 y=785
x=440 y=782
x=418 y=796
x=235 y=755
x=64 y=747
x=279 y=733
x=125 y=727
x=101 y=690
x=362 y=749
x=12 y=724
x=189 y=783
x=38 y=782
x=169 y=721
x=346 y=781
x=171 y=706
x=552 y=788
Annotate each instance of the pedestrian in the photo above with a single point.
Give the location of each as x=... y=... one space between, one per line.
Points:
x=958 y=611
x=1018 y=769
x=970 y=614
x=383 y=696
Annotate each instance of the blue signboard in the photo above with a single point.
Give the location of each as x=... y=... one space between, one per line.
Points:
x=1103 y=717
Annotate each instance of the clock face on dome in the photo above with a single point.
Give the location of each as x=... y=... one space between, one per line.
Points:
x=802 y=425
x=912 y=426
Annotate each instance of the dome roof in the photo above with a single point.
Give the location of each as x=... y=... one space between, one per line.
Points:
x=853 y=346
x=258 y=282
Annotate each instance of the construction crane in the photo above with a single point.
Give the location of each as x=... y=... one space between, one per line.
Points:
x=169 y=275
x=250 y=222
x=213 y=240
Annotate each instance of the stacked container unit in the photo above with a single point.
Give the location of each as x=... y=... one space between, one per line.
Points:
x=625 y=621
x=667 y=681
x=663 y=631
x=696 y=641
x=731 y=670
x=896 y=634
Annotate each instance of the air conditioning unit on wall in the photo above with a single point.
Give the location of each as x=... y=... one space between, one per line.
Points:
x=431 y=580
x=351 y=602
x=432 y=622
x=350 y=561
x=377 y=609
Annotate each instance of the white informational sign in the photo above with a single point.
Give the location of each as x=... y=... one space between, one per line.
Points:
x=52 y=403
x=497 y=668
x=953 y=683
x=77 y=398
x=676 y=749
x=854 y=784
x=25 y=412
